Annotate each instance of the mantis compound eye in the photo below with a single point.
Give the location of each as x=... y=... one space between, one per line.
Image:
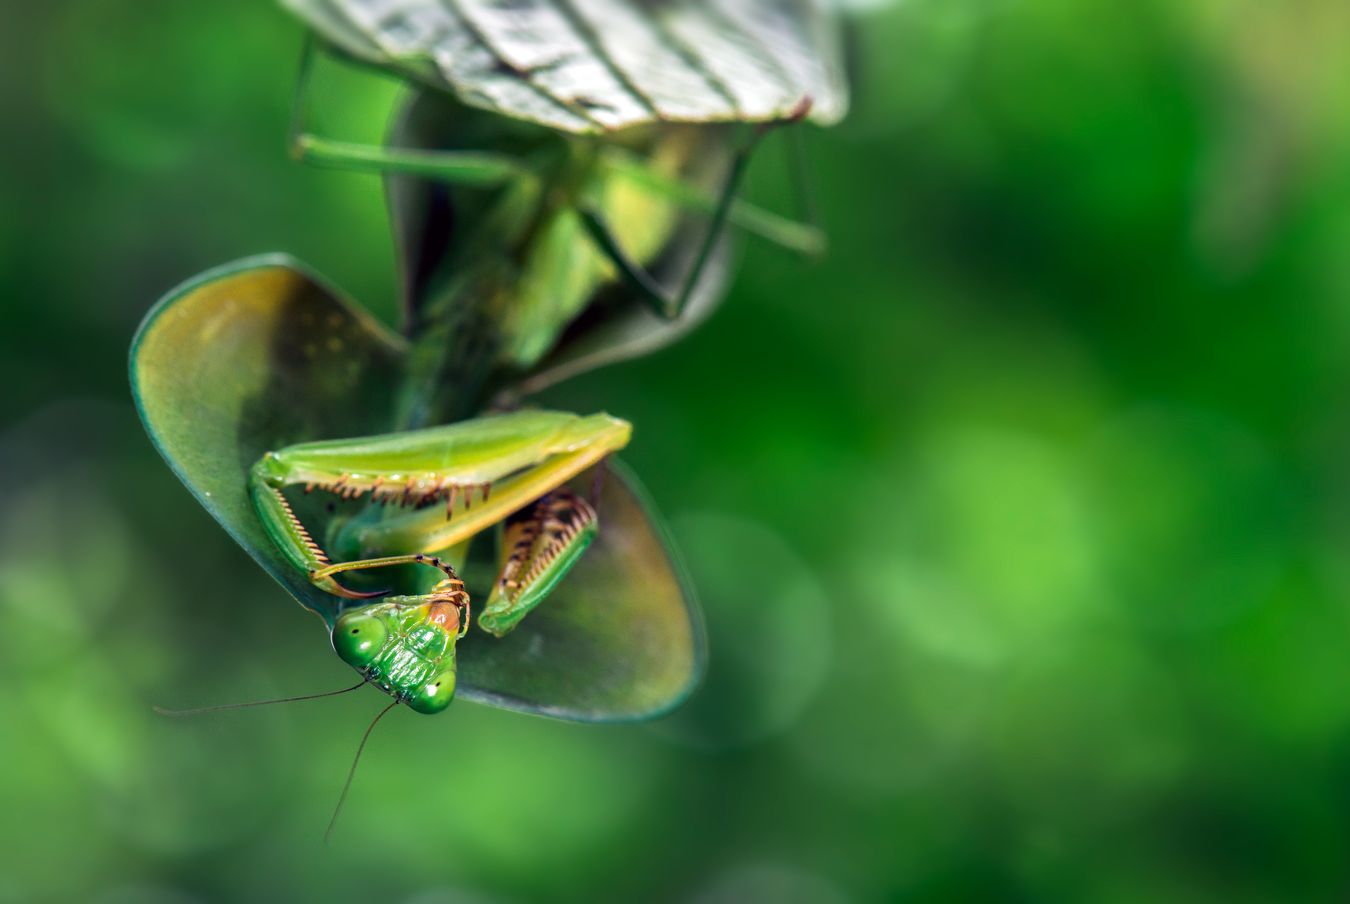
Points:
x=359 y=638
x=434 y=696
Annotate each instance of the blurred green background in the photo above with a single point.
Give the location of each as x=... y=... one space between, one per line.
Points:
x=1020 y=522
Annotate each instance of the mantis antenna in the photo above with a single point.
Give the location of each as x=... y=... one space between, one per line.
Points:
x=215 y=709
x=351 y=774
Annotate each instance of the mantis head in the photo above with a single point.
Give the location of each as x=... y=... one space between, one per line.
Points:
x=405 y=646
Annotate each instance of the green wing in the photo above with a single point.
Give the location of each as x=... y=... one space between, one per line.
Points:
x=261 y=354
x=587 y=66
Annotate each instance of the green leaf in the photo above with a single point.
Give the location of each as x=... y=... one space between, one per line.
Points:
x=260 y=354
x=597 y=65
x=252 y=356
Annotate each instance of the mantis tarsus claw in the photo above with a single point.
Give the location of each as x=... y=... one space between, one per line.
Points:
x=338 y=590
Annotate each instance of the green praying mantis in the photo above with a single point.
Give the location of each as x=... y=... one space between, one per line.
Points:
x=560 y=185
x=406 y=645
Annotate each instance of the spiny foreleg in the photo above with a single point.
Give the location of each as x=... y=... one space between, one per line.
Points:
x=295 y=542
x=540 y=544
x=528 y=453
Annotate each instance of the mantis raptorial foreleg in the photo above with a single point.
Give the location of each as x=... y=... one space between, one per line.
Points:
x=459 y=480
x=539 y=545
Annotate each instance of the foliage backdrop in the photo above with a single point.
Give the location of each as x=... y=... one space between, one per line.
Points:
x=1021 y=522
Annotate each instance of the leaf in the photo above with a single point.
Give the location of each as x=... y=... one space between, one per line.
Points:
x=586 y=66
x=260 y=354
x=249 y=357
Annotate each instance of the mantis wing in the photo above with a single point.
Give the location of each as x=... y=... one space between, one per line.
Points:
x=260 y=354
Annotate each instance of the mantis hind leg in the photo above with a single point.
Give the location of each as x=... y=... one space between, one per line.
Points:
x=666 y=305
x=803 y=237
x=472 y=168
x=799 y=169
x=725 y=210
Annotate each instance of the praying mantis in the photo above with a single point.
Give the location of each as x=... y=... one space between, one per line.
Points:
x=560 y=185
x=406 y=644
x=564 y=213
